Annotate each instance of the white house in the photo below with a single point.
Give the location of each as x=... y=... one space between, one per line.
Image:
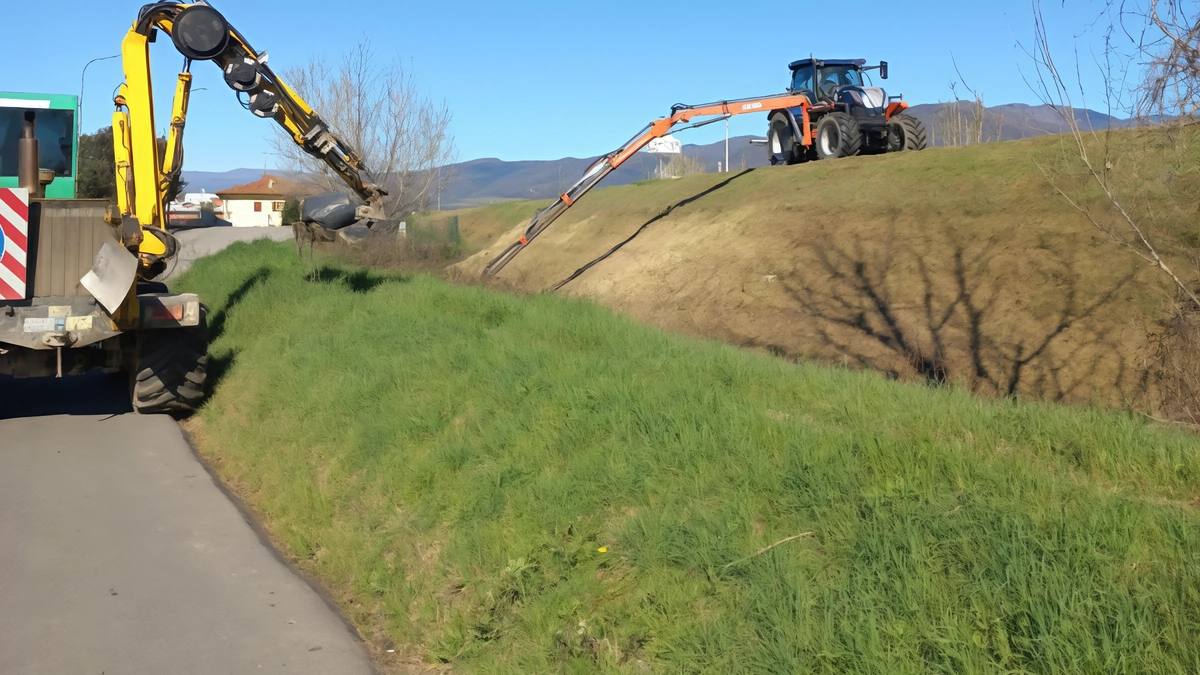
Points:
x=260 y=204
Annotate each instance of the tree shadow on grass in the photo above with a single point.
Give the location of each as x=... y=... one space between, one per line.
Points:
x=973 y=312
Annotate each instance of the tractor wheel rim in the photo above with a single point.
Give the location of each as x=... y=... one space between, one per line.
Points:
x=776 y=146
x=829 y=144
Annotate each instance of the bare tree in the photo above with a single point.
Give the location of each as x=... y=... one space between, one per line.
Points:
x=962 y=122
x=682 y=165
x=1171 y=84
x=976 y=107
x=1171 y=90
x=375 y=106
x=949 y=126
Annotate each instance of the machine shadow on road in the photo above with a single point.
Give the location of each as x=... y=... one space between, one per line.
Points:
x=102 y=393
x=84 y=395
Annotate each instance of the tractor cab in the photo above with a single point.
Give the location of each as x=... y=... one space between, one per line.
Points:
x=844 y=84
x=824 y=81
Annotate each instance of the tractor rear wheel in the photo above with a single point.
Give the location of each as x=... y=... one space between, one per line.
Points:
x=781 y=142
x=838 y=135
x=905 y=132
x=171 y=369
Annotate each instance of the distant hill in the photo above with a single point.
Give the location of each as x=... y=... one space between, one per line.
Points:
x=215 y=181
x=1015 y=120
x=485 y=181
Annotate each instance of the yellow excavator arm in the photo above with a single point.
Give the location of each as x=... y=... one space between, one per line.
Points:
x=147 y=178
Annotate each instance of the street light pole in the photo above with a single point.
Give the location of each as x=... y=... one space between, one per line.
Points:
x=726 y=144
x=81 y=79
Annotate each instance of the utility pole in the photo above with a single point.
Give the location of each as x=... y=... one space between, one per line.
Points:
x=726 y=143
x=82 y=75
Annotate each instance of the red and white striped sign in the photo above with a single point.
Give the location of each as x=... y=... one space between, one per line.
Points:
x=14 y=242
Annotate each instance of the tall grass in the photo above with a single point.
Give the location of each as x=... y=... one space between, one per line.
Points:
x=533 y=484
x=429 y=242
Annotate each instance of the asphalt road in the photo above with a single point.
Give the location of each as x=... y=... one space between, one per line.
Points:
x=119 y=554
x=204 y=241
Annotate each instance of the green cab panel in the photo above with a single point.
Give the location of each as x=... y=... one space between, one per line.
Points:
x=58 y=138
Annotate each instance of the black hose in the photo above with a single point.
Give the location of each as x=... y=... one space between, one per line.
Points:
x=666 y=212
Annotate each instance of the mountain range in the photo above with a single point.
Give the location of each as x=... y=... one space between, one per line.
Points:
x=484 y=181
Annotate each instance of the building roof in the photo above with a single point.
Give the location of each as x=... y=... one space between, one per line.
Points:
x=268 y=186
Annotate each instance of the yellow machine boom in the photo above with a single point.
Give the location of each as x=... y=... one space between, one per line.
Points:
x=148 y=179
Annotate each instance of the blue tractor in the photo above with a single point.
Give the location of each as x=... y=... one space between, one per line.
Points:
x=848 y=116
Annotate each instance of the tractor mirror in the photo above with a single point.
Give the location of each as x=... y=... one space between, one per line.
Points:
x=883 y=70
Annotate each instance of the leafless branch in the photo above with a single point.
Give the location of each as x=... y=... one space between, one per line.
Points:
x=1171 y=90
x=376 y=107
x=1052 y=88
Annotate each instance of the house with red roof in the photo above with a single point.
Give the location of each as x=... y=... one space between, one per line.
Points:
x=260 y=204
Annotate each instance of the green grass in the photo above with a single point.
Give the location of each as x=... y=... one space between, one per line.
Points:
x=965 y=258
x=451 y=461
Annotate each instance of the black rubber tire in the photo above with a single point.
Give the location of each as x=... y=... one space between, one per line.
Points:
x=838 y=135
x=781 y=142
x=906 y=132
x=172 y=368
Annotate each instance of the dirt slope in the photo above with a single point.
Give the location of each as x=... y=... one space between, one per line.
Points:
x=959 y=264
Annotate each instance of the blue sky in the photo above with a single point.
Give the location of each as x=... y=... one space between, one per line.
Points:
x=543 y=80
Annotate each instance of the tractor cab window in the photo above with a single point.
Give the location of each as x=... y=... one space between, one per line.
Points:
x=56 y=139
x=832 y=77
x=802 y=79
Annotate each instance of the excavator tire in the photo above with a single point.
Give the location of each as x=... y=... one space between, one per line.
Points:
x=171 y=370
x=905 y=132
x=838 y=135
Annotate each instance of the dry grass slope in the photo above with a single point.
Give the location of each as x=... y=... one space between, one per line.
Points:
x=955 y=264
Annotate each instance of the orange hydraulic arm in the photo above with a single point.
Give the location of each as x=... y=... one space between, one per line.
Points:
x=680 y=114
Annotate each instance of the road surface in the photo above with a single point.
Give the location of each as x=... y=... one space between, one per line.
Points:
x=204 y=241
x=119 y=554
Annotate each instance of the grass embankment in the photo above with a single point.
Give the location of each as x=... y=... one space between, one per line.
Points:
x=534 y=484
x=959 y=264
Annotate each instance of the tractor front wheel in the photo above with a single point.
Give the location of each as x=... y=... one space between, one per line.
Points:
x=838 y=135
x=905 y=132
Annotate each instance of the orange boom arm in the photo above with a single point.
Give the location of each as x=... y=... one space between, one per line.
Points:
x=680 y=114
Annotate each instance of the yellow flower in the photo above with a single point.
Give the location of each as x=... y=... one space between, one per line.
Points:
x=603 y=549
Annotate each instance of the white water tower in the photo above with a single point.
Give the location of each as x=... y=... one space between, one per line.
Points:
x=663 y=148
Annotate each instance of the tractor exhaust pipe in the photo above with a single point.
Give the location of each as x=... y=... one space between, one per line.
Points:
x=28 y=174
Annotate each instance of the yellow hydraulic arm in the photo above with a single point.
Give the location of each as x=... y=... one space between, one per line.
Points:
x=148 y=179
